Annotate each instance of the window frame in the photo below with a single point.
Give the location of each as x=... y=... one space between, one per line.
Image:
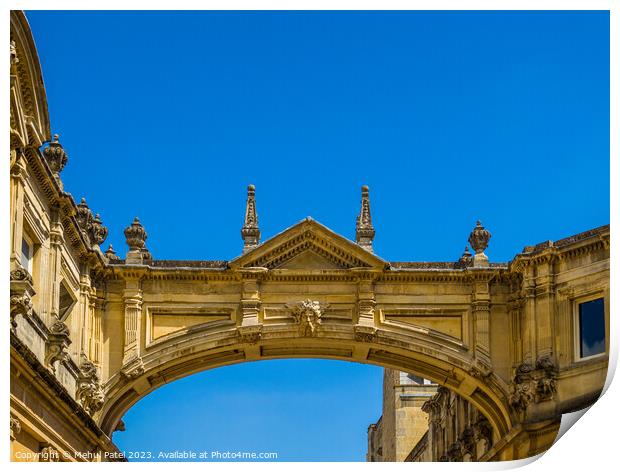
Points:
x=577 y=327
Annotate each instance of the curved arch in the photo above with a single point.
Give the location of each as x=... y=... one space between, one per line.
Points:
x=33 y=126
x=183 y=355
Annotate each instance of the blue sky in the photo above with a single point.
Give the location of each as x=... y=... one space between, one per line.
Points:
x=449 y=117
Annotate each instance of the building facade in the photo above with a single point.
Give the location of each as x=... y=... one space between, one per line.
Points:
x=424 y=422
x=93 y=332
x=403 y=421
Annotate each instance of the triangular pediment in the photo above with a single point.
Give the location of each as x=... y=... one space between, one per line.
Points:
x=308 y=245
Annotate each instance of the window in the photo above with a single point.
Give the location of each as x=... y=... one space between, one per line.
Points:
x=591 y=319
x=66 y=302
x=27 y=253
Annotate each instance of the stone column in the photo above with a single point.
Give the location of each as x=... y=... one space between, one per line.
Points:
x=515 y=307
x=249 y=326
x=81 y=323
x=366 y=300
x=18 y=179
x=528 y=325
x=96 y=337
x=250 y=296
x=545 y=305
x=132 y=299
x=481 y=302
x=54 y=261
x=364 y=329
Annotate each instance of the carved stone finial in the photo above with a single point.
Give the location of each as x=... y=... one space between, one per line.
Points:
x=98 y=232
x=111 y=254
x=364 y=231
x=135 y=236
x=250 y=233
x=465 y=259
x=479 y=240
x=56 y=156
x=84 y=216
x=89 y=392
x=90 y=225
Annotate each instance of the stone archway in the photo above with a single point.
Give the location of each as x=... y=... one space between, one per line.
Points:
x=202 y=351
x=310 y=293
x=307 y=292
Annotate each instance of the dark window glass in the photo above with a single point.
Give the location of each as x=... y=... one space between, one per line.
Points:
x=26 y=255
x=592 y=327
x=66 y=302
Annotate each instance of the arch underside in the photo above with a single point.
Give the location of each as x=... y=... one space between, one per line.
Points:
x=447 y=364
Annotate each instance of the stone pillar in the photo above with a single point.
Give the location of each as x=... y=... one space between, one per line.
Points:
x=364 y=329
x=249 y=327
x=132 y=299
x=250 y=296
x=529 y=315
x=366 y=301
x=18 y=179
x=96 y=336
x=55 y=257
x=545 y=305
x=81 y=324
x=515 y=308
x=481 y=302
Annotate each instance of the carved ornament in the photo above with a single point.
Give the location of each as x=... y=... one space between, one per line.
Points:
x=307 y=314
x=364 y=230
x=55 y=155
x=89 y=392
x=479 y=238
x=533 y=383
x=57 y=344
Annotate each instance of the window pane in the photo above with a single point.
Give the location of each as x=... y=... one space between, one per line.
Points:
x=66 y=302
x=26 y=255
x=592 y=327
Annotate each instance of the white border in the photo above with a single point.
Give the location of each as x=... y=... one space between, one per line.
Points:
x=592 y=444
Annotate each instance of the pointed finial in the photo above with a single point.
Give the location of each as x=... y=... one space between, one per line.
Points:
x=250 y=232
x=111 y=254
x=465 y=259
x=364 y=231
